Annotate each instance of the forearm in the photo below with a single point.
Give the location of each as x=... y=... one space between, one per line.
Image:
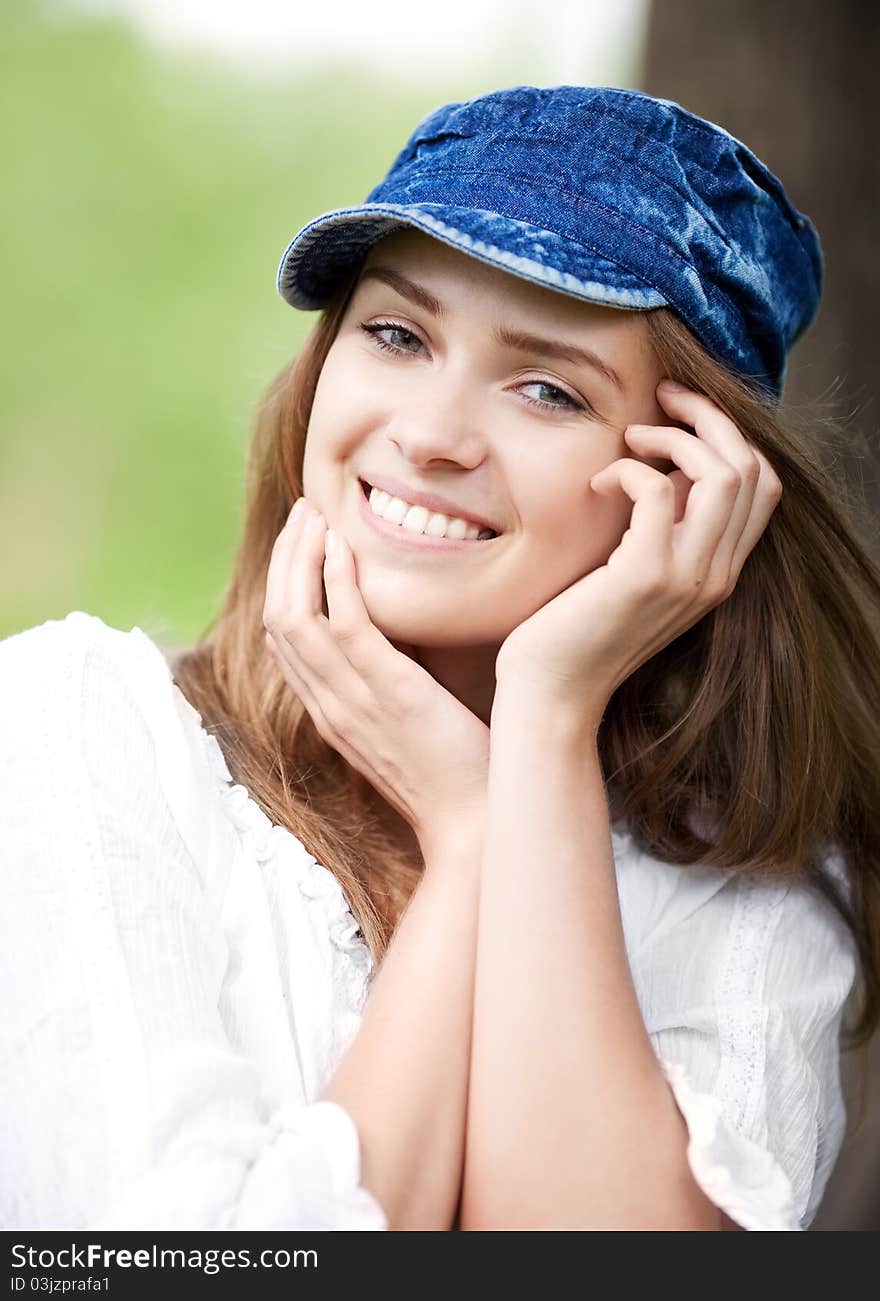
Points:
x=404 y=1077
x=571 y=1124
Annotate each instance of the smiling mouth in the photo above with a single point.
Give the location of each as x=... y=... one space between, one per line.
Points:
x=485 y=535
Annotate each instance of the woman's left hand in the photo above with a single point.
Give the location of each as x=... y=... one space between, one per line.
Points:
x=690 y=533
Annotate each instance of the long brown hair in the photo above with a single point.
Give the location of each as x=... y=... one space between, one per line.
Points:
x=764 y=717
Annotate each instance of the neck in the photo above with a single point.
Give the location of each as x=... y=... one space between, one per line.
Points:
x=466 y=672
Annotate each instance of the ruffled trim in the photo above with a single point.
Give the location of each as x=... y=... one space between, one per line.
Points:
x=335 y=1130
x=302 y=1171
x=739 y=1176
x=267 y=841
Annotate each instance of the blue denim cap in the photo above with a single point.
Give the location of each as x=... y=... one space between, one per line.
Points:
x=607 y=195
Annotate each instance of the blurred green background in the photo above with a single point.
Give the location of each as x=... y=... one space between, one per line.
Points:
x=148 y=196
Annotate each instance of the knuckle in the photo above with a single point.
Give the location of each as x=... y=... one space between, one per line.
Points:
x=298 y=635
x=655 y=580
x=661 y=485
x=718 y=587
x=750 y=470
x=721 y=576
x=343 y=633
x=769 y=477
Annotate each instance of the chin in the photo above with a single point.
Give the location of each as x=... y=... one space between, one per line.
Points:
x=398 y=607
x=415 y=631
x=415 y=627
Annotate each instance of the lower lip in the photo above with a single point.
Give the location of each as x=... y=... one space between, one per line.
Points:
x=420 y=541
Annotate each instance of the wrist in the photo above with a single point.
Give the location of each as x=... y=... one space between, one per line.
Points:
x=527 y=705
x=457 y=838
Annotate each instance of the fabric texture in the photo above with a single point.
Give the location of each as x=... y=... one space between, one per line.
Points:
x=600 y=193
x=181 y=978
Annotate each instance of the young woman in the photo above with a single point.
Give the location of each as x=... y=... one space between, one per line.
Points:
x=505 y=854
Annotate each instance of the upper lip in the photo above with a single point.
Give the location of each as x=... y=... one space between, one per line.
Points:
x=433 y=501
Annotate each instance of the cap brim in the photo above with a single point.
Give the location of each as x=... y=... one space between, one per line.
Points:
x=325 y=249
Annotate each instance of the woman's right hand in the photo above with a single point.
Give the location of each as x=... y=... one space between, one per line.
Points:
x=424 y=751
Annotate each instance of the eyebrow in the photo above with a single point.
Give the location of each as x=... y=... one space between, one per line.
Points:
x=519 y=340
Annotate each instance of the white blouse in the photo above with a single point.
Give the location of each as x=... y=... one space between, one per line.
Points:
x=181 y=978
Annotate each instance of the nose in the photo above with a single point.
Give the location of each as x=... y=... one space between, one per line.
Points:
x=443 y=421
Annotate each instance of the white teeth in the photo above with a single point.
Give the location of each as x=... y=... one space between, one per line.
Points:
x=395 y=511
x=418 y=519
x=415 y=519
x=436 y=527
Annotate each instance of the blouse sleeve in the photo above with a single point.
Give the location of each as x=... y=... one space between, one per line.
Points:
x=125 y=1105
x=742 y=995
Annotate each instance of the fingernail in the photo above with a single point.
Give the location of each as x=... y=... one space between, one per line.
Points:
x=330 y=543
x=672 y=387
x=297 y=507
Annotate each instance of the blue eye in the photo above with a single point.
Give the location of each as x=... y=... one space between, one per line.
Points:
x=381 y=327
x=376 y=329
x=568 y=404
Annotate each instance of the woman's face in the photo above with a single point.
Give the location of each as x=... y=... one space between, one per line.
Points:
x=508 y=430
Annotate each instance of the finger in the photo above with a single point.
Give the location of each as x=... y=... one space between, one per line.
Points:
x=367 y=649
x=304 y=649
x=294 y=612
x=653 y=516
x=682 y=485
x=279 y=563
x=311 y=700
x=718 y=504
x=287 y=667
x=349 y=619
x=767 y=497
x=304 y=593
x=716 y=428
x=342 y=654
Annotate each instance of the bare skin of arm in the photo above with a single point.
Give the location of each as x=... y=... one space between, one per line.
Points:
x=571 y=1123
x=404 y=1077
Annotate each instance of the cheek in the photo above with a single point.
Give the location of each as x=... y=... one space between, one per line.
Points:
x=328 y=413
x=572 y=535
x=573 y=518
x=335 y=428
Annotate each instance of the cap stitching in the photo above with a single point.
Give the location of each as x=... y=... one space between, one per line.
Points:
x=651 y=238
x=573 y=195
x=655 y=177
x=688 y=121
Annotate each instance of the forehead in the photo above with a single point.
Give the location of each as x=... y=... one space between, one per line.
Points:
x=464 y=282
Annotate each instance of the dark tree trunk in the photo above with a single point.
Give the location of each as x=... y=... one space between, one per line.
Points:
x=797 y=81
